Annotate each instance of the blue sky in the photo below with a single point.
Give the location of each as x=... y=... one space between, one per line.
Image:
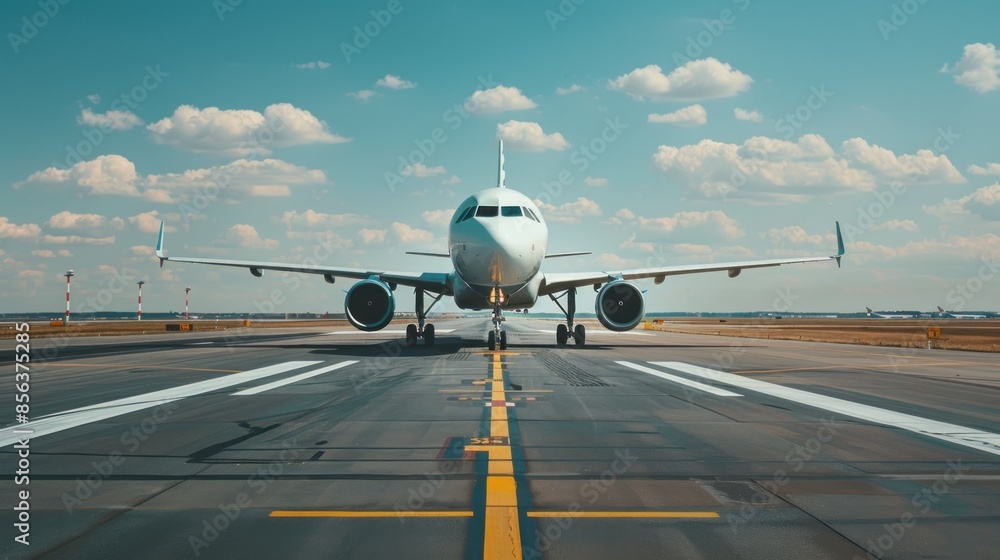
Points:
x=684 y=132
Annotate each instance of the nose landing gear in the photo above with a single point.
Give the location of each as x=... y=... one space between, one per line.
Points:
x=497 y=336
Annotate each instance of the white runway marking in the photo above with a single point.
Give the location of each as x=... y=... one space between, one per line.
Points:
x=389 y=331
x=294 y=379
x=596 y=332
x=681 y=380
x=79 y=416
x=976 y=439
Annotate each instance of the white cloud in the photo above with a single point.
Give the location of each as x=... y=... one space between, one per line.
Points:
x=395 y=82
x=362 y=95
x=781 y=170
x=78 y=240
x=245 y=235
x=148 y=222
x=570 y=211
x=498 y=99
x=688 y=117
x=440 y=218
x=896 y=225
x=421 y=170
x=595 y=181
x=453 y=180
x=979 y=67
x=744 y=115
x=371 y=236
x=984 y=202
x=990 y=169
x=716 y=220
x=241 y=132
x=698 y=79
x=113 y=120
x=115 y=175
x=312 y=218
x=103 y=175
x=313 y=65
x=571 y=89
x=270 y=177
x=611 y=261
x=94 y=98
x=48 y=254
x=69 y=220
x=408 y=234
x=529 y=137
x=792 y=234
x=11 y=230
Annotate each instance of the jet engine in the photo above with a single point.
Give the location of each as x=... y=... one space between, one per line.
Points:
x=620 y=306
x=370 y=305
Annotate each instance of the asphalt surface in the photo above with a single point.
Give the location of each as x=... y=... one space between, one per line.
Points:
x=349 y=445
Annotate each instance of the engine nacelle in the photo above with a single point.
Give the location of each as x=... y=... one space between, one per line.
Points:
x=370 y=305
x=620 y=306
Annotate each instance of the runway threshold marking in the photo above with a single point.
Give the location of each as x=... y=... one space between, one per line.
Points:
x=294 y=379
x=156 y=366
x=85 y=415
x=680 y=380
x=952 y=433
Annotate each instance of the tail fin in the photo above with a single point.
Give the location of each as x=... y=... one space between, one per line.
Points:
x=501 y=175
x=869 y=309
x=940 y=310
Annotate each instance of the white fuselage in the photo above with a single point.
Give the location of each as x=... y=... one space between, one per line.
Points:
x=497 y=240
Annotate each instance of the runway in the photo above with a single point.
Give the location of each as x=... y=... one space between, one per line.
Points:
x=330 y=443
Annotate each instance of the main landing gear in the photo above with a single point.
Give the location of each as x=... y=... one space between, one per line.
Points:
x=566 y=331
x=497 y=336
x=420 y=330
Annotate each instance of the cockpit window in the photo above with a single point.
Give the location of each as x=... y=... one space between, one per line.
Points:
x=466 y=215
x=530 y=214
x=486 y=212
x=511 y=211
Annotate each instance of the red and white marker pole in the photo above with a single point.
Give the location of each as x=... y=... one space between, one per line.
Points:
x=186 y=300
x=139 y=315
x=68 y=275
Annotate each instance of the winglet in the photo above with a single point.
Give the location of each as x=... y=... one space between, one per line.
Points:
x=501 y=175
x=159 y=246
x=840 y=245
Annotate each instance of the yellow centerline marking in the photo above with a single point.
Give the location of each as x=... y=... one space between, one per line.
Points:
x=364 y=513
x=502 y=539
x=634 y=514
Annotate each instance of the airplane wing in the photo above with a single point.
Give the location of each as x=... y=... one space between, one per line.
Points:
x=557 y=282
x=431 y=281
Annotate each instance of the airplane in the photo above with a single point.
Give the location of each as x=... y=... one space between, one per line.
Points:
x=951 y=315
x=883 y=315
x=497 y=243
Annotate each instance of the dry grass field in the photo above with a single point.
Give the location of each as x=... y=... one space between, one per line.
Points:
x=982 y=335
x=113 y=328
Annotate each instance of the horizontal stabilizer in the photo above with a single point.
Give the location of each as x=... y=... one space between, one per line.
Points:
x=572 y=254
x=423 y=254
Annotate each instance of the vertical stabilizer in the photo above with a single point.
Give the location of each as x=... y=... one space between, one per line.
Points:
x=501 y=176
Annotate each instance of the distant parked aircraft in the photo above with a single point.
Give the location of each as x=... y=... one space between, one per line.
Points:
x=884 y=315
x=951 y=315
